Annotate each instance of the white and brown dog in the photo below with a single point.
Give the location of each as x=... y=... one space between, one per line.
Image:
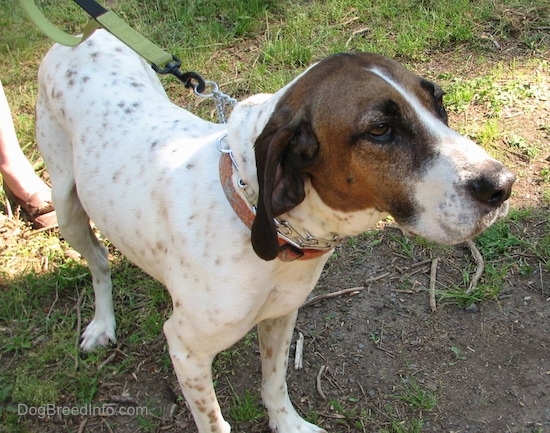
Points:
x=352 y=139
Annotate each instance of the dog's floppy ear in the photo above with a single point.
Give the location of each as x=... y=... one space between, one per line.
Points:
x=286 y=146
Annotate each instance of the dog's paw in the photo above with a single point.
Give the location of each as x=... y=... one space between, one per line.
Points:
x=97 y=334
x=293 y=423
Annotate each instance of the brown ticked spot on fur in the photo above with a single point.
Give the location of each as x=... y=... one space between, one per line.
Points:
x=212 y=416
x=197 y=384
x=201 y=406
x=268 y=352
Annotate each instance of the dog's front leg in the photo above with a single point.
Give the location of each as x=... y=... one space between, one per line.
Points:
x=274 y=337
x=194 y=372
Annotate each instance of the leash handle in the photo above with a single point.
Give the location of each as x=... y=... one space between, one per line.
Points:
x=160 y=60
x=52 y=31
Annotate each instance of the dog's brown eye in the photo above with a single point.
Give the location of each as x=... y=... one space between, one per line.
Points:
x=380 y=130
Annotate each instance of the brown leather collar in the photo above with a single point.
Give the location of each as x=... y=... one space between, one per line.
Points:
x=287 y=252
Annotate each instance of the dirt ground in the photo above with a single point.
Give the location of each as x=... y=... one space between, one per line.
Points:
x=487 y=364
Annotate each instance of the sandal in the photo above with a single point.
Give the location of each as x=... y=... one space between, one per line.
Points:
x=38 y=209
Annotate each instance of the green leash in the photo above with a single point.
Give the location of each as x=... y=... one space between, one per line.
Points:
x=52 y=31
x=161 y=61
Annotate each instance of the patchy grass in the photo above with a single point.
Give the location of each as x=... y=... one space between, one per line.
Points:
x=246 y=408
x=413 y=394
x=258 y=46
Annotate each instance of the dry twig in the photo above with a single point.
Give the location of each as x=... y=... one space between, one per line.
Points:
x=319 y=387
x=82 y=425
x=318 y=298
x=386 y=351
x=480 y=265
x=53 y=304
x=360 y=31
x=107 y=361
x=433 y=275
x=106 y=424
x=541 y=280
x=78 y=323
x=298 y=356
x=124 y=399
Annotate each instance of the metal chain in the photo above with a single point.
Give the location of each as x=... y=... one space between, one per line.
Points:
x=304 y=241
x=221 y=100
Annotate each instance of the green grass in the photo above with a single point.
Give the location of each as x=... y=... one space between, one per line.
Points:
x=403 y=412
x=251 y=47
x=502 y=91
x=256 y=46
x=507 y=248
x=415 y=396
x=246 y=408
x=38 y=319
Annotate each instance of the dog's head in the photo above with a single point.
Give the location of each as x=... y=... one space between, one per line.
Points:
x=371 y=135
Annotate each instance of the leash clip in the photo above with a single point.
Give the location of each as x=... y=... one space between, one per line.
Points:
x=191 y=80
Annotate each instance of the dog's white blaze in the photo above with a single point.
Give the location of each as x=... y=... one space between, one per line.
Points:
x=462 y=151
x=431 y=122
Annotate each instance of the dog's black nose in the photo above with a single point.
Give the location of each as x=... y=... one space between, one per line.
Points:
x=493 y=187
